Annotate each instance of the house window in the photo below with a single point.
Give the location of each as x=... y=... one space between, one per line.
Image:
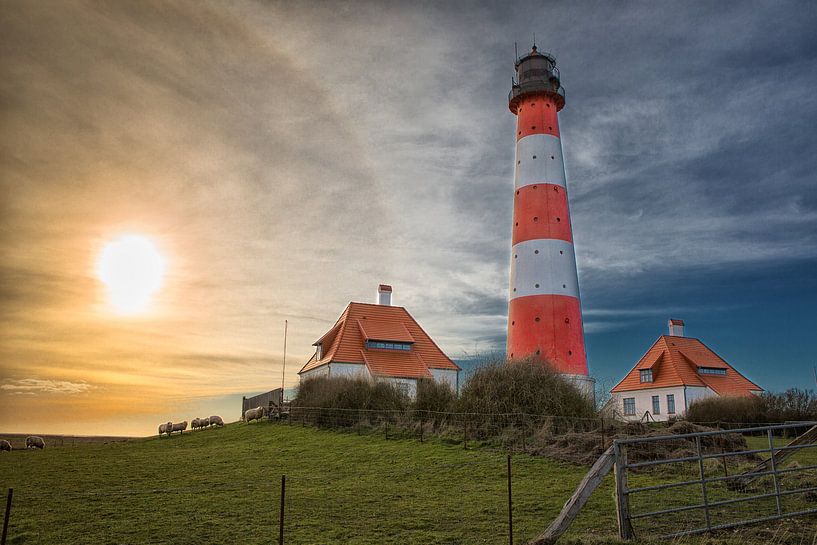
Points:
x=629 y=405
x=656 y=404
x=711 y=371
x=319 y=351
x=388 y=345
x=646 y=375
x=670 y=403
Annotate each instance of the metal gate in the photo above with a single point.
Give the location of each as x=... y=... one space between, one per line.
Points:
x=677 y=485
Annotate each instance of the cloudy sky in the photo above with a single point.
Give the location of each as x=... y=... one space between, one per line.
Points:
x=286 y=157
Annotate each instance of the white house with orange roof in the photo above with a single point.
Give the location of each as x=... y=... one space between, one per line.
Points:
x=674 y=372
x=382 y=342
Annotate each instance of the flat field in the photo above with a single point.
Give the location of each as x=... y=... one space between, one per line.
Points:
x=223 y=486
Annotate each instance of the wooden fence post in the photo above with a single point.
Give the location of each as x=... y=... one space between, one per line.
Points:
x=625 y=528
x=510 y=504
x=6 y=519
x=603 y=438
x=281 y=514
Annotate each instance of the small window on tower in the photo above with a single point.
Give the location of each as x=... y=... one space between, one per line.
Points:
x=646 y=375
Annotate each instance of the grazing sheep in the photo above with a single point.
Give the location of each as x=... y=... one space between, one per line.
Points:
x=196 y=423
x=254 y=414
x=165 y=428
x=205 y=422
x=216 y=421
x=35 y=441
x=180 y=427
x=5 y=445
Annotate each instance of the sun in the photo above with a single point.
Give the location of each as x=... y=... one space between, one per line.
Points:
x=132 y=270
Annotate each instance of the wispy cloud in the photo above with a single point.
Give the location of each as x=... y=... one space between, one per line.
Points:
x=32 y=386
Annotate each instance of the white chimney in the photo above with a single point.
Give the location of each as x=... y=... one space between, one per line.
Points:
x=676 y=327
x=384 y=295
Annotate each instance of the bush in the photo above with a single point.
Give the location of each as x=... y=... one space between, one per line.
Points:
x=769 y=408
x=728 y=409
x=349 y=393
x=434 y=396
x=793 y=404
x=524 y=386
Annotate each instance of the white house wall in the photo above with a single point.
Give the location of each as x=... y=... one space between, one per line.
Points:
x=351 y=370
x=684 y=396
x=695 y=393
x=322 y=371
x=643 y=402
x=409 y=385
x=447 y=376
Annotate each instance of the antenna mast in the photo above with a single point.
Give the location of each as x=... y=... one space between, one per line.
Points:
x=284 y=370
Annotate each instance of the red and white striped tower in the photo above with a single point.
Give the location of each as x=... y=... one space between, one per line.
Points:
x=544 y=312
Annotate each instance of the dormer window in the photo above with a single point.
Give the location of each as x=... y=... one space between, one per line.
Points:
x=646 y=375
x=382 y=345
x=711 y=371
x=319 y=351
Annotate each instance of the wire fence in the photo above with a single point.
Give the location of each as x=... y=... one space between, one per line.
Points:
x=295 y=508
x=510 y=430
x=481 y=496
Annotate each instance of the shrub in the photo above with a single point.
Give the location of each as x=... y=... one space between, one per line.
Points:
x=728 y=409
x=434 y=396
x=524 y=386
x=792 y=405
x=349 y=393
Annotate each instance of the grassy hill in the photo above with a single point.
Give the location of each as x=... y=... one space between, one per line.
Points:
x=223 y=486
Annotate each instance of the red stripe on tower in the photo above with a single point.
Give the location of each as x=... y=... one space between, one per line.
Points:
x=544 y=313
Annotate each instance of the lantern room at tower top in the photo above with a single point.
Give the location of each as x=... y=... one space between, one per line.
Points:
x=544 y=308
x=536 y=73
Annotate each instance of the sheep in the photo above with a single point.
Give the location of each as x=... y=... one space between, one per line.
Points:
x=205 y=422
x=5 y=445
x=165 y=428
x=35 y=441
x=196 y=423
x=180 y=427
x=216 y=421
x=254 y=414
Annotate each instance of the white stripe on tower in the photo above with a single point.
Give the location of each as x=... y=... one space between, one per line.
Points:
x=544 y=312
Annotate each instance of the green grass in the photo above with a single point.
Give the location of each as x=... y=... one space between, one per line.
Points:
x=223 y=486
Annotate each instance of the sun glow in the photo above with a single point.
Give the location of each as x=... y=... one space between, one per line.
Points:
x=132 y=270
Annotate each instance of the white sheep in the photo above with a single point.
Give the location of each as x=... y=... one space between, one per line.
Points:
x=254 y=414
x=5 y=445
x=216 y=421
x=180 y=427
x=165 y=428
x=35 y=441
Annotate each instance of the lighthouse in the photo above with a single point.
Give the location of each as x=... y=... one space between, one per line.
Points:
x=544 y=309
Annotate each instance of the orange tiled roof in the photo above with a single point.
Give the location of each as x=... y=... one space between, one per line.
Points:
x=375 y=330
x=387 y=363
x=675 y=362
x=345 y=342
